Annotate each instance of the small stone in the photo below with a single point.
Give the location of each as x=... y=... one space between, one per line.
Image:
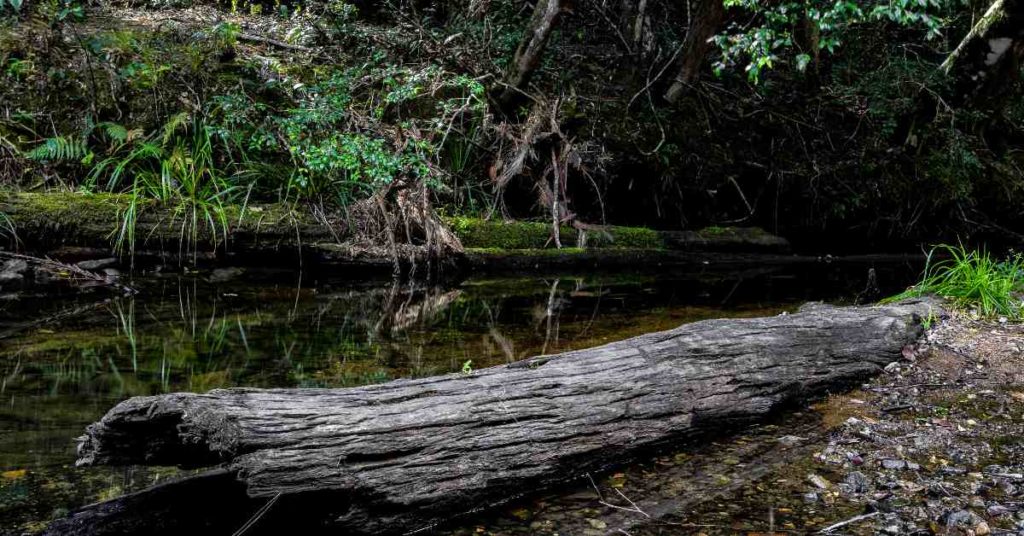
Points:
x=597 y=524
x=892 y=367
x=961 y=518
x=818 y=481
x=15 y=266
x=899 y=465
x=858 y=482
x=790 y=440
x=96 y=264
x=811 y=497
x=997 y=510
x=982 y=529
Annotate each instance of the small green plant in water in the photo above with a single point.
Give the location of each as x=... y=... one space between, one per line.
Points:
x=972 y=280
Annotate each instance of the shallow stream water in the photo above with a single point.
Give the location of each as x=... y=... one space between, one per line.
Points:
x=233 y=327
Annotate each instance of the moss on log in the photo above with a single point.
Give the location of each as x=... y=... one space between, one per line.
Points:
x=43 y=222
x=53 y=223
x=497 y=235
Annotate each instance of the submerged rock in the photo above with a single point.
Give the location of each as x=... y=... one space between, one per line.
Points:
x=13 y=271
x=96 y=264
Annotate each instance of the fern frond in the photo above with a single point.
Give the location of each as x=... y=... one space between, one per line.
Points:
x=115 y=131
x=173 y=124
x=60 y=149
x=134 y=134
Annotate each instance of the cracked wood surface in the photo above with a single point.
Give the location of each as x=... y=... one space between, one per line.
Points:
x=407 y=454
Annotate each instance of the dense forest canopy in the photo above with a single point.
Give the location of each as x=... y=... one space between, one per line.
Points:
x=872 y=119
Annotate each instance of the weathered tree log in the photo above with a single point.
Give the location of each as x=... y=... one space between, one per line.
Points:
x=408 y=454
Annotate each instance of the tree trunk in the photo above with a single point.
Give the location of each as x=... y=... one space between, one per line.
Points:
x=408 y=454
x=985 y=67
x=530 y=51
x=704 y=22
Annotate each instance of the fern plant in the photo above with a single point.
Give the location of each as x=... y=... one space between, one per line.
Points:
x=174 y=166
x=62 y=149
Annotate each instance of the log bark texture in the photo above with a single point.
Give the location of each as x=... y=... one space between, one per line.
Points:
x=405 y=455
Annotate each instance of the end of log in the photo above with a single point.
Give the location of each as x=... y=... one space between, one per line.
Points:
x=158 y=430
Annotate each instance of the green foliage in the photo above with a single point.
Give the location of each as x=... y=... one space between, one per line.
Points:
x=175 y=166
x=61 y=148
x=355 y=130
x=226 y=34
x=973 y=280
x=796 y=32
x=15 y=5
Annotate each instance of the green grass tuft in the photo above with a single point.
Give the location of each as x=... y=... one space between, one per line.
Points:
x=972 y=280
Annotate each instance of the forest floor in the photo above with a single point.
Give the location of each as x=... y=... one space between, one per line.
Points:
x=933 y=446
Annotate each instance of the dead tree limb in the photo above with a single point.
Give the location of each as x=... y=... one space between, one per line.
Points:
x=531 y=50
x=408 y=454
x=985 y=67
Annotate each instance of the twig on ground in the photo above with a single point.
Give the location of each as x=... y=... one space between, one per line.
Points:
x=266 y=40
x=852 y=520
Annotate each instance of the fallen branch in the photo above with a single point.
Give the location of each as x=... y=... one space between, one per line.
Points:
x=266 y=40
x=409 y=454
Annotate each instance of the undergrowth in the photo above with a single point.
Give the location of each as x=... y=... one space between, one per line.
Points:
x=972 y=280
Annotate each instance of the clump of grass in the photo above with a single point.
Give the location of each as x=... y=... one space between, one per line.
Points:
x=972 y=280
x=177 y=169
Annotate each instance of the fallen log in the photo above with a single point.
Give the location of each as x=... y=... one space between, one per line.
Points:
x=406 y=455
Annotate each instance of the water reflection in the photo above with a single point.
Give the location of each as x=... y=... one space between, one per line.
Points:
x=205 y=331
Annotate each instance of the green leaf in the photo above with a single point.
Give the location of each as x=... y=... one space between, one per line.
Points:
x=802 y=60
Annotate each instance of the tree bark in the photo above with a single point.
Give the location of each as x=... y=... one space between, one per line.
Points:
x=530 y=52
x=705 y=20
x=409 y=454
x=985 y=67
